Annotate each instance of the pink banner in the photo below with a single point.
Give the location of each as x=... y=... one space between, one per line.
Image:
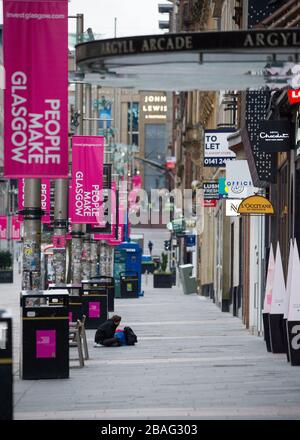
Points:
x=86 y=193
x=15 y=228
x=3 y=227
x=21 y=201
x=36 y=94
x=113 y=219
x=45 y=199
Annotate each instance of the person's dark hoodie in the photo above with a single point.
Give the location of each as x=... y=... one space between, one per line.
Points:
x=106 y=331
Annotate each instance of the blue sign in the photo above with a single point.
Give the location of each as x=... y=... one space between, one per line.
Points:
x=105 y=118
x=190 y=240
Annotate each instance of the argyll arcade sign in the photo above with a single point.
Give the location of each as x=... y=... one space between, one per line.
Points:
x=251 y=39
x=235 y=60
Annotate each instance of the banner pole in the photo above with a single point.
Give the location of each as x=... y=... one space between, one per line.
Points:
x=60 y=229
x=31 y=274
x=77 y=228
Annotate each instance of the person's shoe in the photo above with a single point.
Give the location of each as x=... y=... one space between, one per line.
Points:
x=97 y=345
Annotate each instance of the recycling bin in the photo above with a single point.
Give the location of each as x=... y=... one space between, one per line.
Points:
x=189 y=282
x=94 y=303
x=75 y=303
x=44 y=334
x=129 y=283
x=6 y=366
x=109 y=283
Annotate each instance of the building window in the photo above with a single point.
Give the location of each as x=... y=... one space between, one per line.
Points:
x=133 y=123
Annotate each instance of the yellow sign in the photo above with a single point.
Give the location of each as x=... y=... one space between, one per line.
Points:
x=256 y=205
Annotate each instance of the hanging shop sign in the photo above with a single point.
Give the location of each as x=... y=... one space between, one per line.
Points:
x=294 y=96
x=274 y=136
x=86 y=195
x=232 y=207
x=223 y=190
x=15 y=228
x=211 y=190
x=36 y=93
x=238 y=180
x=256 y=205
x=216 y=152
x=209 y=203
x=170 y=162
x=3 y=227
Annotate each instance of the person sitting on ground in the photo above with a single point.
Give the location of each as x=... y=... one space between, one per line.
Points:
x=106 y=331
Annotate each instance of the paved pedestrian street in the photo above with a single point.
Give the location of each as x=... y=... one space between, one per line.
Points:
x=191 y=362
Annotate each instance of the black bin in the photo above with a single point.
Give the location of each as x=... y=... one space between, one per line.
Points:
x=109 y=283
x=94 y=303
x=45 y=334
x=129 y=284
x=6 y=367
x=75 y=302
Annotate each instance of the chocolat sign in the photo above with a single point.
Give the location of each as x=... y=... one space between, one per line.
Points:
x=274 y=136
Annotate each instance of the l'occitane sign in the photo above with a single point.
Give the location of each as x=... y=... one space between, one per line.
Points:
x=256 y=205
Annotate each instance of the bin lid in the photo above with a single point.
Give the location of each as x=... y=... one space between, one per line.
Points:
x=45 y=292
x=185 y=266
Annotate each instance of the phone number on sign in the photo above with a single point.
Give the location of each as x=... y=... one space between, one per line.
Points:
x=216 y=161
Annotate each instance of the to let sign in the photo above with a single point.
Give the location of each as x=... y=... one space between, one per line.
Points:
x=216 y=152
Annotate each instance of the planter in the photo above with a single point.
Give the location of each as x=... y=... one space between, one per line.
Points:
x=6 y=276
x=162 y=280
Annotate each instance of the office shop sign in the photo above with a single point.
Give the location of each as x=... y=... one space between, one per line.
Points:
x=274 y=136
x=216 y=152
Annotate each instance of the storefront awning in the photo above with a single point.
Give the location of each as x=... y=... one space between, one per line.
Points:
x=235 y=60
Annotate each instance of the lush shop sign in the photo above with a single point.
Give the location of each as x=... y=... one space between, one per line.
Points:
x=274 y=136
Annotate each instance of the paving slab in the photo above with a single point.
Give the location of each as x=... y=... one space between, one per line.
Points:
x=191 y=362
